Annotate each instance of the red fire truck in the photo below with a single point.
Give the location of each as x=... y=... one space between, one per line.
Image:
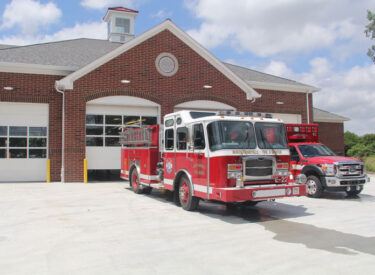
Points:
x=323 y=168
x=229 y=157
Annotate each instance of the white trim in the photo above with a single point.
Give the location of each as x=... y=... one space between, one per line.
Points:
x=330 y=120
x=282 y=87
x=148 y=177
x=13 y=67
x=243 y=152
x=168 y=182
x=202 y=188
x=269 y=193
x=67 y=82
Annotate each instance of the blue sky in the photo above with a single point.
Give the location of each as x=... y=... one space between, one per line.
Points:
x=317 y=42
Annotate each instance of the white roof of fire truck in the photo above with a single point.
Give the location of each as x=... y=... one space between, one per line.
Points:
x=199 y=116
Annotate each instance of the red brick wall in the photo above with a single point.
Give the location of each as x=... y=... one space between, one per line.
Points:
x=332 y=135
x=137 y=65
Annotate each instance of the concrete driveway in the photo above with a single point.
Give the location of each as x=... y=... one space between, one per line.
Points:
x=104 y=228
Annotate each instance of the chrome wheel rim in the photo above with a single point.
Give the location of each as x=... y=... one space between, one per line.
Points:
x=311 y=187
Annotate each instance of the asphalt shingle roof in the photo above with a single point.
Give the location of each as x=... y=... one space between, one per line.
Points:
x=252 y=75
x=71 y=53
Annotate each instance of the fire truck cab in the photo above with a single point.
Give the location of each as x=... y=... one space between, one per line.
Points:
x=323 y=168
x=230 y=157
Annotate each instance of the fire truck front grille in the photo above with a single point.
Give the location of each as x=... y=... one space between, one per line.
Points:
x=348 y=170
x=259 y=167
x=259 y=171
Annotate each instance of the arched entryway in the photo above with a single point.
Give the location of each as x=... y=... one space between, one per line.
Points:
x=105 y=118
x=203 y=105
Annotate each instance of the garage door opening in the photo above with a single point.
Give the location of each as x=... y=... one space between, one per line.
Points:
x=107 y=175
x=106 y=118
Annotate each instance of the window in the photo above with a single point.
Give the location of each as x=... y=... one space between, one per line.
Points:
x=122 y=25
x=181 y=138
x=169 y=122
x=169 y=139
x=198 y=132
x=23 y=142
x=104 y=130
x=231 y=135
x=270 y=135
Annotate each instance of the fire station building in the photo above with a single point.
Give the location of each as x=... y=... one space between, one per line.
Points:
x=63 y=102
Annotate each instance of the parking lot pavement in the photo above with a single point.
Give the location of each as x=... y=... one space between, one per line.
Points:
x=104 y=228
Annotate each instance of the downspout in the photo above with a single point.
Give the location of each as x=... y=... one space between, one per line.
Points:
x=307 y=106
x=62 y=135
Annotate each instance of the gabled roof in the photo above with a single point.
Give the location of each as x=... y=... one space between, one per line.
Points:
x=325 y=116
x=67 y=82
x=259 y=80
x=65 y=57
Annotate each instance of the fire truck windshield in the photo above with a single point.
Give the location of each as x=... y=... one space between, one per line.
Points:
x=270 y=135
x=315 y=150
x=231 y=135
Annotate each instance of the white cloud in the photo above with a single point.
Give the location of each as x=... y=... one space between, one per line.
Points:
x=29 y=15
x=268 y=28
x=96 y=30
x=162 y=14
x=349 y=93
x=100 y=4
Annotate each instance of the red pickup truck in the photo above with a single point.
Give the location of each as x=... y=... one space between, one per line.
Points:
x=322 y=167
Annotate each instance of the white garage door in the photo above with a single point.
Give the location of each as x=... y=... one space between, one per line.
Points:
x=23 y=141
x=288 y=118
x=105 y=118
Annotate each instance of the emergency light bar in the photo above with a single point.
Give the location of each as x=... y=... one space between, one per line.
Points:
x=236 y=113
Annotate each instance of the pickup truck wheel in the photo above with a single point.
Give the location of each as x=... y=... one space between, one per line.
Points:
x=136 y=186
x=187 y=200
x=314 y=187
x=353 y=193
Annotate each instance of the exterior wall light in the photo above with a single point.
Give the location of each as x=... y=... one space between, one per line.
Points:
x=280 y=102
x=207 y=86
x=8 y=88
x=125 y=81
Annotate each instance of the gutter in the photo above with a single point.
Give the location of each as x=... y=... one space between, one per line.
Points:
x=62 y=134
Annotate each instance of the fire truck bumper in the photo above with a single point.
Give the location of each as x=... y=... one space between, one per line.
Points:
x=258 y=193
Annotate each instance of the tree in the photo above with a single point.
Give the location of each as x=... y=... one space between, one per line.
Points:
x=350 y=139
x=370 y=32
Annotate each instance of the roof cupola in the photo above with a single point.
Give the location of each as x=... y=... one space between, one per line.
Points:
x=120 y=23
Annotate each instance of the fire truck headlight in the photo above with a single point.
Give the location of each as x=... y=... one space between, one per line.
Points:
x=234 y=171
x=329 y=169
x=234 y=175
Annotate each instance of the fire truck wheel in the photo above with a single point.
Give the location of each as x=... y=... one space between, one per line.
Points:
x=136 y=186
x=314 y=187
x=188 y=202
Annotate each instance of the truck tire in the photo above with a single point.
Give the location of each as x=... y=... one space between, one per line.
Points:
x=146 y=190
x=314 y=187
x=353 y=193
x=187 y=200
x=136 y=186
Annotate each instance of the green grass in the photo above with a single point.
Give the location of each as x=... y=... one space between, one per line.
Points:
x=370 y=164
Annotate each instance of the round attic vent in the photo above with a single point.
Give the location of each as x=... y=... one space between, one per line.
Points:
x=166 y=64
